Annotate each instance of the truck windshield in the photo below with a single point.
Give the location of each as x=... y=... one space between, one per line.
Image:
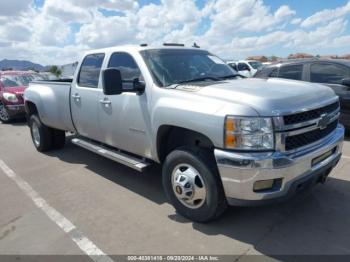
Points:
x=13 y=81
x=175 y=66
x=256 y=64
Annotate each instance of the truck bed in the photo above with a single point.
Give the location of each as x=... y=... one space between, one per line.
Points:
x=53 y=98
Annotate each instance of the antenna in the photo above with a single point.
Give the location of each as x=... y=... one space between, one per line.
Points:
x=195 y=45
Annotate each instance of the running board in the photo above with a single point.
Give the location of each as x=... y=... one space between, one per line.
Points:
x=115 y=155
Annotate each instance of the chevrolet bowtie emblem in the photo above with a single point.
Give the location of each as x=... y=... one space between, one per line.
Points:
x=324 y=121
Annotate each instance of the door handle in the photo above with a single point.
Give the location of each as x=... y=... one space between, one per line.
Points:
x=76 y=96
x=105 y=102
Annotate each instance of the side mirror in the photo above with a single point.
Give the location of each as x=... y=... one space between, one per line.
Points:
x=346 y=82
x=138 y=86
x=112 y=82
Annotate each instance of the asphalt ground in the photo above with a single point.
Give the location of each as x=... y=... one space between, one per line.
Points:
x=73 y=202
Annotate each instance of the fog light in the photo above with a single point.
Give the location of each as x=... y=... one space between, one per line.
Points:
x=269 y=184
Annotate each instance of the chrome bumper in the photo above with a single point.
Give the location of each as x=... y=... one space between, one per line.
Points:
x=239 y=171
x=15 y=107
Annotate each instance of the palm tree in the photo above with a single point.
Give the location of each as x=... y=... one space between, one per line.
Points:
x=55 y=70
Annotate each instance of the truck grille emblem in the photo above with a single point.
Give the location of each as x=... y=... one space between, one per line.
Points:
x=324 y=121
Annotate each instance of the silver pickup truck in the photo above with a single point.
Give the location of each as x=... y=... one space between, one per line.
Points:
x=221 y=139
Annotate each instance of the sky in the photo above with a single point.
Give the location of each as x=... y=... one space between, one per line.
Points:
x=59 y=31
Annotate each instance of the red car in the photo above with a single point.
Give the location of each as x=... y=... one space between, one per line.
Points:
x=12 y=86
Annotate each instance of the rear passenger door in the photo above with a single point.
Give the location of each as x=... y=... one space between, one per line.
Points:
x=85 y=94
x=330 y=74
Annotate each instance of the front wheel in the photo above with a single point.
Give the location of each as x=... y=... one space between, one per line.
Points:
x=4 y=115
x=192 y=184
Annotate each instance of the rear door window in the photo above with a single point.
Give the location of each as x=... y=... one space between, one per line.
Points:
x=291 y=72
x=273 y=73
x=90 y=70
x=328 y=73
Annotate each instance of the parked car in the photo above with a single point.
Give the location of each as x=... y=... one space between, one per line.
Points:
x=333 y=73
x=12 y=86
x=246 y=68
x=48 y=76
x=220 y=139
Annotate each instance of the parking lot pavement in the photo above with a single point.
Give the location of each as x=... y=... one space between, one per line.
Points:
x=124 y=212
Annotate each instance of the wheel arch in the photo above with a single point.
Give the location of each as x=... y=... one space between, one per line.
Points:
x=30 y=109
x=171 y=137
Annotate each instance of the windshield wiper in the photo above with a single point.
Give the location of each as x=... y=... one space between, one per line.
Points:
x=230 y=76
x=200 y=79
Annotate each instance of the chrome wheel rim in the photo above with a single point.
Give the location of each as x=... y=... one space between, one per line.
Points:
x=3 y=113
x=36 y=134
x=188 y=186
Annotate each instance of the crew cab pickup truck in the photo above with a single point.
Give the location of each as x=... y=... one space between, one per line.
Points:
x=221 y=140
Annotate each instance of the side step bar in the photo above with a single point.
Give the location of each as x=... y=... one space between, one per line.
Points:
x=115 y=155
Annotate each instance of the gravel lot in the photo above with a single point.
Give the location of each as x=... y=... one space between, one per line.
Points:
x=124 y=212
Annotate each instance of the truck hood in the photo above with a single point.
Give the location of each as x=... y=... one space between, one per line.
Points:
x=18 y=90
x=270 y=97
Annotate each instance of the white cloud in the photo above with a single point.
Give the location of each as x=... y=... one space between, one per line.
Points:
x=321 y=36
x=107 y=31
x=231 y=17
x=296 y=21
x=54 y=33
x=60 y=30
x=155 y=22
x=328 y=35
x=120 y=5
x=66 y=11
x=14 y=7
x=341 y=41
x=326 y=15
x=15 y=32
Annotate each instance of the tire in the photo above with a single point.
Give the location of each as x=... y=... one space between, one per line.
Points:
x=180 y=167
x=4 y=116
x=347 y=132
x=58 y=138
x=42 y=135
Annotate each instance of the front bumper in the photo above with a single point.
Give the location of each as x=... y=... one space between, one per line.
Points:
x=15 y=110
x=239 y=170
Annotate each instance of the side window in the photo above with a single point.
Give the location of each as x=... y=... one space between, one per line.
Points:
x=328 y=73
x=233 y=65
x=127 y=66
x=242 y=67
x=291 y=72
x=273 y=73
x=90 y=70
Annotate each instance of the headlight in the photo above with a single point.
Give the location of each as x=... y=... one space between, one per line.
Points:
x=249 y=133
x=10 y=97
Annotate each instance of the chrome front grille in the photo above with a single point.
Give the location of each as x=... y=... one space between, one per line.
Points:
x=307 y=128
x=310 y=115
x=304 y=139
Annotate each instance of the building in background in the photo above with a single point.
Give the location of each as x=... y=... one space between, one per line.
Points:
x=260 y=58
x=300 y=55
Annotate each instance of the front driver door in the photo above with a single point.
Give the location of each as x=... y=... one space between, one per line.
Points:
x=85 y=95
x=123 y=118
